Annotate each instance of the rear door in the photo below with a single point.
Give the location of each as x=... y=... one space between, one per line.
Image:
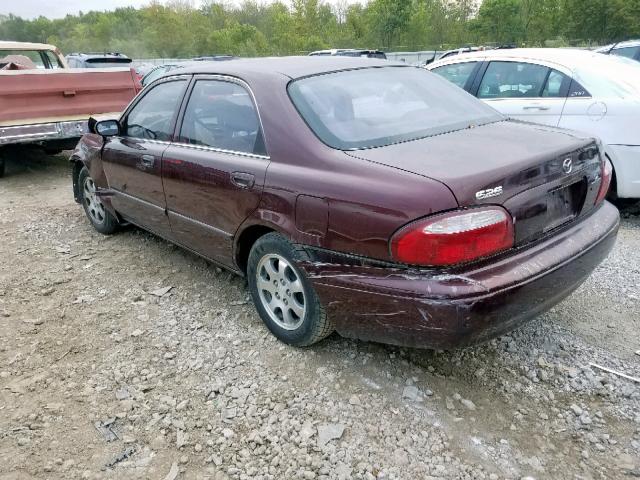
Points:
x=133 y=160
x=525 y=91
x=214 y=173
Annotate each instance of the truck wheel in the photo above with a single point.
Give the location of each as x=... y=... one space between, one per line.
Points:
x=101 y=219
x=282 y=294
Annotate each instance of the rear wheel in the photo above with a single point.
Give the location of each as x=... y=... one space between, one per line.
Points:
x=101 y=219
x=282 y=294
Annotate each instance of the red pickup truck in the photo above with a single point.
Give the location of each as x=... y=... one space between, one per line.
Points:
x=44 y=103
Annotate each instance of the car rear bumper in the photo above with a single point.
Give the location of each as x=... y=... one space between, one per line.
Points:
x=426 y=309
x=626 y=162
x=42 y=132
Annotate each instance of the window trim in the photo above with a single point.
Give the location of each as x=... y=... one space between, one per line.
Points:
x=224 y=78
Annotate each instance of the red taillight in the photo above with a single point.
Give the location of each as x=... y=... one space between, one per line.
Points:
x=456 y=237
x=607 y=173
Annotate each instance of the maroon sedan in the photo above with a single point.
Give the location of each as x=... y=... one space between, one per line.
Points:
x=359 y=195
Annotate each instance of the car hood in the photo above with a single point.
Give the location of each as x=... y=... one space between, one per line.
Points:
x=510 y=154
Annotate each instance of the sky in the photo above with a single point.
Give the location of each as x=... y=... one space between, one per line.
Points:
x=60 y=8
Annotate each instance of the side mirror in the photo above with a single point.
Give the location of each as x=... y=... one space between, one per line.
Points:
x=107 y=128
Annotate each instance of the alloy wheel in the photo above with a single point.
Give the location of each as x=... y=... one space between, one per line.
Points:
x=281 y=292
x=94 y=206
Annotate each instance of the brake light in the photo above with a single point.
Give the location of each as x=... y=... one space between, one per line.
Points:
x=452 y=238
x=607 y=173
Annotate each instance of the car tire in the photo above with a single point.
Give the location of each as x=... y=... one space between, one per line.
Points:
x=101 y=219
x=282 y=294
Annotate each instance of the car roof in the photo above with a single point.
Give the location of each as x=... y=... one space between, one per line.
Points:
x=567 y=57
x=6 y=45
x=292 y=67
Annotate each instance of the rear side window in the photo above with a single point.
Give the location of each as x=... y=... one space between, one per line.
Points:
x=458 y=73
x=152 y=117
x=222 y=115
x=522 y=80
x=556 y=85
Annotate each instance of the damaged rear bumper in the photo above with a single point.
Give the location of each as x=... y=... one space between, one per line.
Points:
x=446 y=310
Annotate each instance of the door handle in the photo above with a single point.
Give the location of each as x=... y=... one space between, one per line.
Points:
x=243 y=179
x=536 y=107
x=147 y=161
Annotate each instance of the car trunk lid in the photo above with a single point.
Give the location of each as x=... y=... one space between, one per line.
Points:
x=545 y=177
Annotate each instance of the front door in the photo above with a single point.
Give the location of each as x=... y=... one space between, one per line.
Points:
x=214 y=173
x=525 y=91
x=133 y=160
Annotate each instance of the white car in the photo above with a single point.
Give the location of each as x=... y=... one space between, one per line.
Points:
x=629 y=49
x=575 y=89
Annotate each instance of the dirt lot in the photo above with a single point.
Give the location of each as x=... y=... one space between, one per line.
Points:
x=191 y=385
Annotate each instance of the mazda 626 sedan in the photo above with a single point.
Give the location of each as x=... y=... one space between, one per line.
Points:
x=373 y=198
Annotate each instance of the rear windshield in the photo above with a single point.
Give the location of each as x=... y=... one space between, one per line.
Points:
x=373 y=107
x=610 y=76
x=107 y=62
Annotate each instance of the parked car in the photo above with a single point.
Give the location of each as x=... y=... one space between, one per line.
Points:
x=48 y=105
x=30 y=56
x=159 y=70
x=629 y=49
x=357 y=194
x=214 y=58
x=98 y=60
x=349 y=52
x=575 y=89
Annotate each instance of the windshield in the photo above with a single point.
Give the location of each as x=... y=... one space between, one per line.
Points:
x=373 y=107
x=610 y=76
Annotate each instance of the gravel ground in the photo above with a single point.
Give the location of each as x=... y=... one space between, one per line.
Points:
x=104 y=375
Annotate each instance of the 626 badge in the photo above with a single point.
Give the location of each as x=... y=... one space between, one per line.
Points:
x=488 y=193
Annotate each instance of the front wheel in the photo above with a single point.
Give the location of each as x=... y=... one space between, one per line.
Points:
x=101 y=219
x=282 y=294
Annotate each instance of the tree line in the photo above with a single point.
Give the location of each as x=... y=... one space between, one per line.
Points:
x=179 y=30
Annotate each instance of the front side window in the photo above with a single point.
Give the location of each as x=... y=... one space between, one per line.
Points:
x=152 y=117
x=513 y=80
x=222 y=115
x=372 y=107
x=457 y=73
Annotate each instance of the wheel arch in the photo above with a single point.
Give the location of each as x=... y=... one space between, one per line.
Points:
x=245 y=239
x=76 y=167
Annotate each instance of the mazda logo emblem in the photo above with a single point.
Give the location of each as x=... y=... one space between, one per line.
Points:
x=567 y=165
